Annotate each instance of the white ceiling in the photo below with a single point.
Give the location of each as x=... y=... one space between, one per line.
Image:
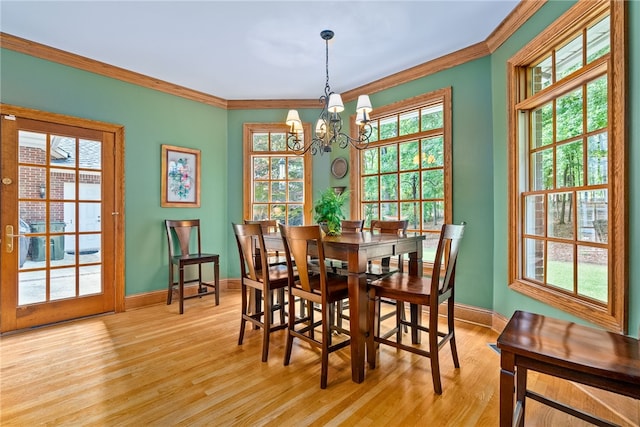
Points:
x=257 y=49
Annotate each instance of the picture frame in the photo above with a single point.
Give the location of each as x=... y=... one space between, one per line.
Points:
x=180 y=177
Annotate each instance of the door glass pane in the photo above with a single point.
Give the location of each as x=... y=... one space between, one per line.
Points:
x=62 y=184
x=89 y=216
x=31 y=149
x=33 y=182
x=90 y=244
x=90 y=155
x=89 y=280
x=63 y=151
x=32 y=287
x=63 y=283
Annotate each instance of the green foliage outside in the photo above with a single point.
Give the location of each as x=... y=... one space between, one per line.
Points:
x=397 y=177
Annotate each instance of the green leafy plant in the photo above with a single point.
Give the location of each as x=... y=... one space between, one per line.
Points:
x=328 y=210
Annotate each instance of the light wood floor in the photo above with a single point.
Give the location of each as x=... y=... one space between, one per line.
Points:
x=154 y=367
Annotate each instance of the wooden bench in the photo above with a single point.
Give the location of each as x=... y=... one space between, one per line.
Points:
x=566 y=350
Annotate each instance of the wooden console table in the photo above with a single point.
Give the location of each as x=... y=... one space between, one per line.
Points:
x=566 y=350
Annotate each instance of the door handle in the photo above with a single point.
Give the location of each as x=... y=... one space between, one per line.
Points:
x=9 y=238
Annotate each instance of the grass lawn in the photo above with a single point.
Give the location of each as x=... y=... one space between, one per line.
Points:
x=592 y=278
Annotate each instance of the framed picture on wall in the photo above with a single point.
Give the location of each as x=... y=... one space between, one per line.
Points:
x=180 y=177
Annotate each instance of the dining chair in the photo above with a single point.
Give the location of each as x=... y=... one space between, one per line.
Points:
x=377 y=271
x=418 y=290
x=315 y=287
x=183 y=238
x=262 y=279
x=352 y=225
x=397 y=227
x=274 y=257
x=269 y=226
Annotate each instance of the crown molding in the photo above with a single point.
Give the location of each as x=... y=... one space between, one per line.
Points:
x=523 y=11
x=38 y=50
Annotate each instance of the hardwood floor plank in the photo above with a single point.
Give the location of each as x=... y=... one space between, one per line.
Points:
x=151 y=366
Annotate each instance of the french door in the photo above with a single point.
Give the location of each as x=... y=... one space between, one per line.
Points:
x=61 y=226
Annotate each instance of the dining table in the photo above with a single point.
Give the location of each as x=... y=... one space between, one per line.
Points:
x=357 y=249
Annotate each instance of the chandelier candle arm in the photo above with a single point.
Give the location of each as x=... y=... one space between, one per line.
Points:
x=328 y=128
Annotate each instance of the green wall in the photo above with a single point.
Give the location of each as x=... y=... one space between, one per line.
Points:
x=153 y=118
x=150 y=118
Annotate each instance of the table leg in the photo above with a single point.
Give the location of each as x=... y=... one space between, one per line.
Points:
x=358 y=306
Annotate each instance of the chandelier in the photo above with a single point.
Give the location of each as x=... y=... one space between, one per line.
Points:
x=329 y=125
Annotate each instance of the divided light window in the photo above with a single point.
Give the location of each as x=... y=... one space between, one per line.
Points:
x=277 y=182
x=405 y=172
x=567 y=192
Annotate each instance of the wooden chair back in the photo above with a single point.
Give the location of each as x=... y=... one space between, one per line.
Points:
x=390 y=226
x=249 y=238
x=447 y=255
x=352 y=226
x=268 y=225
x=180 y=234
x=297 y=249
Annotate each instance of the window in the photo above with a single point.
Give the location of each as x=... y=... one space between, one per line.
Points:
x=405 y=172
x=277 y=181
x=567 y=228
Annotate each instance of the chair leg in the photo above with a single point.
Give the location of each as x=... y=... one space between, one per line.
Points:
x=216 y=280
x=433 y=349
x=170 y=293
x=452 y=341
x=416 y=318
x=243 y=321
x=326 y=341
x=181 y=289
x=266 y=324
x=371 y=320
x=292 y=324
x=281 y=302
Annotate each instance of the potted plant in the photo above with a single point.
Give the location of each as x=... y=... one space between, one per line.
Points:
x=328 y=211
